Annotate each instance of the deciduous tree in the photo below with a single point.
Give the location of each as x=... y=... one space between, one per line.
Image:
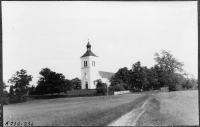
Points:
x=139 y=76
x=11 y=91
x=168 y=66
x=76 y=83
x=121 y=76
x=20 y=80
x=52 y=81
x=100 y=87
x=4 y=86
x=168 y=62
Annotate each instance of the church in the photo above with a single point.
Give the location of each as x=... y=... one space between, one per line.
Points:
x=90 y=72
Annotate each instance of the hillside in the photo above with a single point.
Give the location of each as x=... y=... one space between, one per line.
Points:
x=171 y=108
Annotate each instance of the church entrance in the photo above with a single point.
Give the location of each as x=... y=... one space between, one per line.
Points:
x=86 y=85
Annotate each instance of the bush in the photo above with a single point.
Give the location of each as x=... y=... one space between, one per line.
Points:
x=101 y=90
x=101 y=87
x=17 y=99
x=173 y=87
x=118 y=88
x=5 y=101
x=14 y=99
x=111 y=92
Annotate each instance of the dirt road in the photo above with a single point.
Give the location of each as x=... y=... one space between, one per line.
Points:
x=163 y=109
x=130 y=118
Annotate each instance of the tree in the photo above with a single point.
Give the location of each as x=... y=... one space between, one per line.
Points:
x=139 y=76
x=122 y=76
x=163 y=78
x=100 y=87
x=168 y=62
x=32 y=90
x=55 y=82
x=41 y=88
x=168 y=66
x=190 y=84
x=5 y=93
x=119 y=87
x=51 y=81
x=152 y=77
x=11 y=91
x=76 y=83
x=20 y=80
x=4 y=86
x=114 y=80
x=68 y=85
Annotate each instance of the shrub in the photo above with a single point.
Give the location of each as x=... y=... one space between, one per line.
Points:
x=101 y=90
x=101 y=87
x=5 y=101
x=173 y=87
x=111 y=92
x=17 y=99
x=118 y=88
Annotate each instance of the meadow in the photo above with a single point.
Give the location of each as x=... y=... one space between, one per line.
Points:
x=85 y=111
x=172 y=108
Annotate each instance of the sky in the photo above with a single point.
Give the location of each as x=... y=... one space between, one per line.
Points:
x=40 y=34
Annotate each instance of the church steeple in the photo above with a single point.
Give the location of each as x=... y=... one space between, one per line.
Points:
x=88 y=52
x=89 y=68
x=88 y=46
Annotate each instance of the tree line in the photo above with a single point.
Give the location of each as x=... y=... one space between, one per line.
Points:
x=167 y=72
x=49 y=82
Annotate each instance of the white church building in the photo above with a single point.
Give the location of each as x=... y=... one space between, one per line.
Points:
x=90 y=72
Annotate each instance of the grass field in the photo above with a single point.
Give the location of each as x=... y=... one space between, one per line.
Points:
x=85 y=111
x=172 y=108
x=74 y=92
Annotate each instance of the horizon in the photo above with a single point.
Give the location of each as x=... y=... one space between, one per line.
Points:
x=54 y=34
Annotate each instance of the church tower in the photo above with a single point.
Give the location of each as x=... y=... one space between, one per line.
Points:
x=89 y=69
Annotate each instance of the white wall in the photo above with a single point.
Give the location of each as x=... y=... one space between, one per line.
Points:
x=121 y=92
x=92 y=71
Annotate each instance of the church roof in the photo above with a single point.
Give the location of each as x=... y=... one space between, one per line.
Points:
x=88 y=53
x=107 y=75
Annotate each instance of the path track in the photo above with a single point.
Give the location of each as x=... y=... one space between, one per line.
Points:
x=130 y=118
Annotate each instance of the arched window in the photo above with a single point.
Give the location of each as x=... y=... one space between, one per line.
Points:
x=86 y=63
x=94 y=63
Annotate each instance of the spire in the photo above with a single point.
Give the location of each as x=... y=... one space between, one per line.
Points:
x=88 y=46
x=89 y=52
